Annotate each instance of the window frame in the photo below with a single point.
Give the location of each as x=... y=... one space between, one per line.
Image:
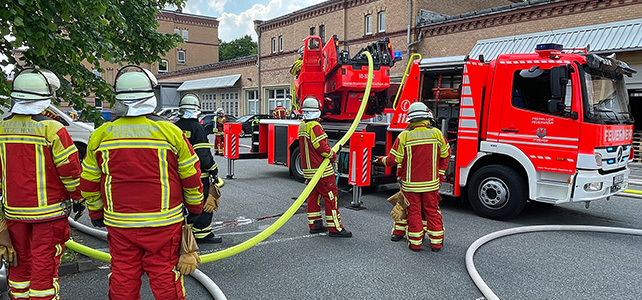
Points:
x=280 y=43
x=178 y=57
x=322 y=33
x=166 y=66
x=381 y=18
x=273 y=44
x=367 y=26
x=185 y=34
x=313 y=30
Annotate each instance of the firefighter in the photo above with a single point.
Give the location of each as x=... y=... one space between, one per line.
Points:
x=314 y=148
x=139 y=175
x=188 y=111
x=420 y=151
x=219 y=121
x=279 y=111
x=40 y=177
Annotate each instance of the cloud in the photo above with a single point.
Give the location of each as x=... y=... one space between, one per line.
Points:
x=193 y=7
x=217 y=5
x=233 y=26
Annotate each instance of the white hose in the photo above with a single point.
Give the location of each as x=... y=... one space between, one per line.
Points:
x=479 y=282
x=203 y=279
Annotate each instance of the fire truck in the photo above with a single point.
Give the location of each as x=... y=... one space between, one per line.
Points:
x=552 y=126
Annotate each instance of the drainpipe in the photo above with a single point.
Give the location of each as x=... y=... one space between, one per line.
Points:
x=409 y=28
x=258 y=62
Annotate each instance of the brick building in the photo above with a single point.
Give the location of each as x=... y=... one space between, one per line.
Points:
x=429 y=27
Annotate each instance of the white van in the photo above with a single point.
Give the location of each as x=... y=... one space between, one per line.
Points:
x=79 y=131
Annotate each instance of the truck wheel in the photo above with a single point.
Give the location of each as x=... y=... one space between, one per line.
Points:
x=295 y=165
x=497 y=192
x=82 y=150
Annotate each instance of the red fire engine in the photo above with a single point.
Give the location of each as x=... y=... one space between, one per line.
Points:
x=552 y=126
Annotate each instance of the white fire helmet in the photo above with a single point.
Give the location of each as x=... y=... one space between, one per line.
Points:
x=33 y=90
x=310 y=108
x=189 y=107
x=134 y=87
x=419 y=111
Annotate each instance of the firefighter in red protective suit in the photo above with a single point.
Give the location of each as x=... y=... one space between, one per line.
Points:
x=313 y=143
x=422 y=152
x=219 y=121
x=139 y=175
x=279 y=111
x=40 y=176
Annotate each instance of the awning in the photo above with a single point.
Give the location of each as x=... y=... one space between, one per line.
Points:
x=209 y=83
x=602 y=38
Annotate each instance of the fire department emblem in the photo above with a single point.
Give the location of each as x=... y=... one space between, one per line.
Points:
x=541 y=132
x=619 y=154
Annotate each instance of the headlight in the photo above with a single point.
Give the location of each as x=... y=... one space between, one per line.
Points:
x=598 y=159
x=593 y=186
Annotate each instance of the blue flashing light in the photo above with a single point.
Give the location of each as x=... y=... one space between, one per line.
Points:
x=398 y=55
x=550 y=46
x=610 y=149
x=611 y=161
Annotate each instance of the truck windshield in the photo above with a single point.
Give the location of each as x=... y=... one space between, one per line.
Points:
x=607 y=100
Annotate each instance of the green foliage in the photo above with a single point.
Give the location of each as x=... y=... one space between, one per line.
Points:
x=240 y=47
x=60 y=35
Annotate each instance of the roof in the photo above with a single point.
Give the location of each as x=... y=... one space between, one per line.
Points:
x=442 y=61
x=209 y=83
x=601 y=38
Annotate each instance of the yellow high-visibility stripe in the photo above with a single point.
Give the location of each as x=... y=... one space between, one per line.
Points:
x=105 y=170
x=128 y=223
x=17 y=139
x=19 y=284
x=3 y=161
x=434 y=165
x=415 y=234
x=316 y=141
x=164 y=179
x=88 y=167
x=189 y=161
x=138 y=144
x=62 y=156
x=58 y=249
x=192 y=196
x=441 y=232
x=22 y=295
x=144 y=216
x=42 y=293
x=41 y=183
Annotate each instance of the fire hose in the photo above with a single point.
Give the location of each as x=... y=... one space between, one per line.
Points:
x=278 y=223
x=470 y=253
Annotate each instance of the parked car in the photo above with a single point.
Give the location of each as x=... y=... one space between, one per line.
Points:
x=247 y=120
x=206 y=121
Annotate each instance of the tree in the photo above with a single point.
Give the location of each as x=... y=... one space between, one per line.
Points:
x=61 y=35
x=240 y=47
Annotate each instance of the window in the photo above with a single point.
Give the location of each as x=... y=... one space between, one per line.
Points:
x=273 y=45
x=230 y=103
x=162 y=66
x=312 y=31
x=532 y=91
x=181 y=57
x=279 y=95
x=208 y=101
x=280 y=43
x=381 y=21
x=97 y=73
x=368 y=24
x=252 y=102
x=177 y=31
x=322 y=33
x=185 y=35
x=98 y=103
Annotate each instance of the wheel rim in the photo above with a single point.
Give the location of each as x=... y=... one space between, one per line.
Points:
x=493 y=193
x=297 y=164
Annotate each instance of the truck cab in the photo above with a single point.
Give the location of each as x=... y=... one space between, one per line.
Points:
x=549 y=126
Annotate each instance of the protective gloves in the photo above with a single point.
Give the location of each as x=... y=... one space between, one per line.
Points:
x=98 y=222
x=6 y=248
x=398 y=213
x=78 y=206
x=188 y=262
x=213 y=197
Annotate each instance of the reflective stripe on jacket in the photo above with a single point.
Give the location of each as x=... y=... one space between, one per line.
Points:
x=40 y=168
x=218 y=124
x=313 y=143
x=198 y=139
x=419 y=152
x=139 y=171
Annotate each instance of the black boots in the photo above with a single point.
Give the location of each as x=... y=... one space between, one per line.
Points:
x=318 y=227
x=342 y=233
x=396 y=238
x=210 y=239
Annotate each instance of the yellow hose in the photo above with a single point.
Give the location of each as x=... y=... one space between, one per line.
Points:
x=280 y=221
x=405 y=75
x=633 y=192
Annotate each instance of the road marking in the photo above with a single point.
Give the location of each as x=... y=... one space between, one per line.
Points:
x=268 y=242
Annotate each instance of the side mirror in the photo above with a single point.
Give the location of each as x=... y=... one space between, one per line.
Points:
x=555 y=106
x=559 y=80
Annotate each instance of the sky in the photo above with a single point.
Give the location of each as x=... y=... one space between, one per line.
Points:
x=237 y=17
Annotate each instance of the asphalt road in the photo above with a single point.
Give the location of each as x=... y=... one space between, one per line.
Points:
x=292 y=264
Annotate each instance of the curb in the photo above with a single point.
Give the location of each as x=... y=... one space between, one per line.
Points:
x=80 y=264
